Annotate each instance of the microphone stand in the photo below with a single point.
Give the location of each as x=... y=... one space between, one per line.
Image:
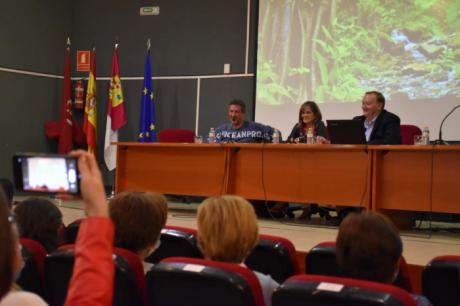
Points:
x=440 y=141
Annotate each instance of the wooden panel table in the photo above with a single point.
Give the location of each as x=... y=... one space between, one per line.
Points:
x=416 y=178
x=188 y=169
x=326 y=174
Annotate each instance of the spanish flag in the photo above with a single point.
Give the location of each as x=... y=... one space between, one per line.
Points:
x=90 y=122
x=116 y=117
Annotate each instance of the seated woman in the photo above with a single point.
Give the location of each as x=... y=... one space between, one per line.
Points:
x=39 y=219
x=138 y=220
x=369 y=247
x=93 y=273
x=11 y=262
x=309 y=118
x=227 y=231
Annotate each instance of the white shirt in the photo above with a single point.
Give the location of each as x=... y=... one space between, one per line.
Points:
x=369 y=127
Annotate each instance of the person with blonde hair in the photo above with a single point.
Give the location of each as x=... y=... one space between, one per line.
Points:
x=228 y=231
x=139 y=218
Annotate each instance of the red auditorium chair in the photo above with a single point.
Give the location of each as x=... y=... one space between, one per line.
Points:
x=129 y=284
x=441 y=281
x=317 y=290
x=32 y=275
x=408 y=132
x=321 y=260
x=176 y=241
x=274 y=256
x=176 y=135
x=71 y=231
x=181 y=281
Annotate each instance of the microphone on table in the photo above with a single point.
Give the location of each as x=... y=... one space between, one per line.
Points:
x=440 y=141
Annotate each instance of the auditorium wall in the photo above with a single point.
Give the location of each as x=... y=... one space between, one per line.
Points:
x=32 y=35
x=191 y=40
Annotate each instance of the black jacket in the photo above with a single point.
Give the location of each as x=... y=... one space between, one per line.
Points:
x=386 y=129
x=320 y=130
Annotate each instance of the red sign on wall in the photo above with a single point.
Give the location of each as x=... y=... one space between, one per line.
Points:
x=83 y=60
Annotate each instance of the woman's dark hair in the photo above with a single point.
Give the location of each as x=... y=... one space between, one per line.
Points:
x=7 y=251
x=314 y=108
x=39 y=219
x=369 y=247
x=138 y=219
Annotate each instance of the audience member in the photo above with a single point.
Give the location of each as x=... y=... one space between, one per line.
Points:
x=8 y=189
x=138 y=220
x=309 y=118
x=227 y=231
x=93 y=273
x=369 y=247
x=11 y=262
x=381 y=127
x=239 y=130
x=39 y=219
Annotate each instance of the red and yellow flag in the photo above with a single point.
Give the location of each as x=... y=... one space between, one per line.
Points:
x=116 y=117
x=90 y=119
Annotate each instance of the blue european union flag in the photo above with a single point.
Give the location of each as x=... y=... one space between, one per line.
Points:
x=147 y=123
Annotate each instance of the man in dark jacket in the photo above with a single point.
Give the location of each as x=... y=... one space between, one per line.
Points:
x=380 y=126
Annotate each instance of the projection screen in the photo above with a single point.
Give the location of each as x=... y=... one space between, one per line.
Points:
x=332 y=51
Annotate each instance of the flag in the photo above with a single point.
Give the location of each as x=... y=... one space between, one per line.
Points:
x=115 y=114
x=65 y=119
x=147 y=122
x=90 y=122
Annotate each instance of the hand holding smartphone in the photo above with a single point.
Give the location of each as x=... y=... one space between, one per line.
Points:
x=46 y=173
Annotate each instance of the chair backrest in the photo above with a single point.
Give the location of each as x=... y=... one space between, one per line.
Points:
x=32 y=276
x=182 y=281
x=176 y=241
x=129 y=287
x=441 y=281
x=71 y=231
x=58 y=270
x=321 y=260
x=129 y=284
x=274 y=256
x=176 y=135
x=408 y=132
x=318 y=290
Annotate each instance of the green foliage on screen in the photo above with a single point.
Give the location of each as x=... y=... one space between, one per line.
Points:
x=335 y=50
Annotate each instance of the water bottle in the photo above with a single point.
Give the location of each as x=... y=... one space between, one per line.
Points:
x=310 y=136
x=212 y=135
x=276 y=136
x=426 y=136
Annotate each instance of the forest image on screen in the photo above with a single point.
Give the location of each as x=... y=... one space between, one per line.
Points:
x=334 y=50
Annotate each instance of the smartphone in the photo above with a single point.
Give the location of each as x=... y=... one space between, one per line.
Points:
x=47 y=173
